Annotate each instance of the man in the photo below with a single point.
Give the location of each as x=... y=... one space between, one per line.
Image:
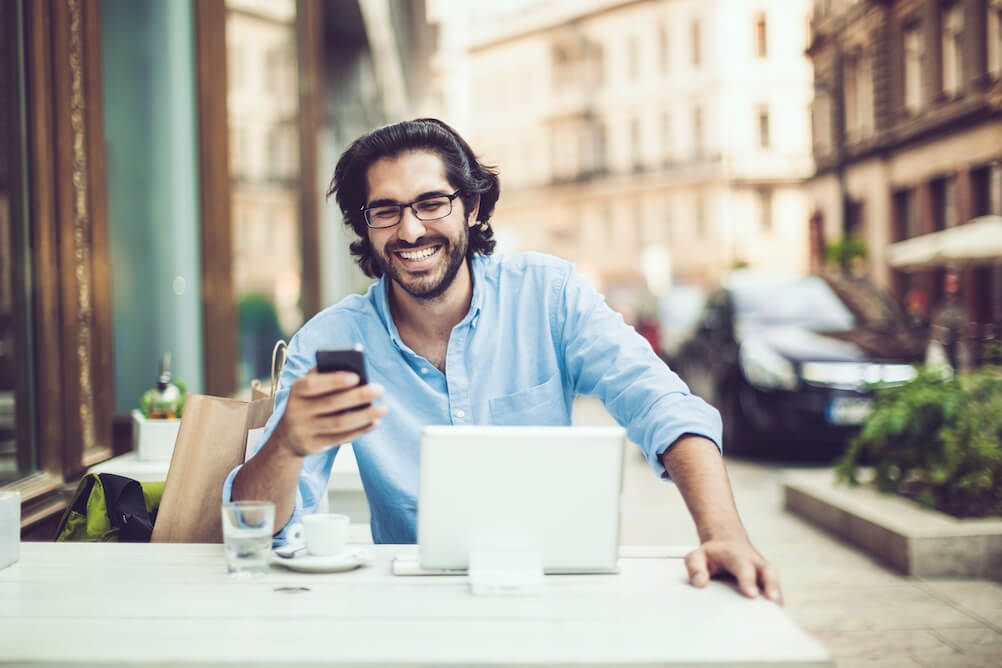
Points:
x=454 y=335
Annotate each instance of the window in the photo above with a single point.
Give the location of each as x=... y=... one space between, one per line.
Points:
x=952 y=51
x=986 y=186
x=761 y=37
x=701 y=214
x=858 y=74
x=764 y=138
x=633 y=54
x=765 y=209
x=905 y=215
x=914 y=57
x=664 y=60
x=944 y=203
x=697 y=46
x=697 y=132
x=995 y=38
x=666 y=137
x=821 y=136
x=636 y=145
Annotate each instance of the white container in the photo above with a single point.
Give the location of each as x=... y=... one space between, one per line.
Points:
x=10 y=528
x=154 y=440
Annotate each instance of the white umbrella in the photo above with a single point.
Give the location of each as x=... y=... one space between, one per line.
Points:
x=978 y=241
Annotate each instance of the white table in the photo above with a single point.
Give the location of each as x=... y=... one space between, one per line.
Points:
x=174 y=603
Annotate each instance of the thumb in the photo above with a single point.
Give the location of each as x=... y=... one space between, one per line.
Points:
x=699 y=572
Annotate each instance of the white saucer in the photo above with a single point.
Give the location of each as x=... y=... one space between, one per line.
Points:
x=307 y=563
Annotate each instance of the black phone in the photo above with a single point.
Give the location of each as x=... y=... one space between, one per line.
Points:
x=346 y=359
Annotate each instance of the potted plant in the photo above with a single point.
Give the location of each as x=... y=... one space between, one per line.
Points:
x=156 y=423
x=938 y=440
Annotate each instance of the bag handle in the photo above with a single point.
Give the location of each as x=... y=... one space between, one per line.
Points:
x=278 y=353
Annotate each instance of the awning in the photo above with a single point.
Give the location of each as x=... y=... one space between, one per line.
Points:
x=977 y=242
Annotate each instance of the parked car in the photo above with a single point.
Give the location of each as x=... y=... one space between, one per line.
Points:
x=791 y=361
x=678 y=313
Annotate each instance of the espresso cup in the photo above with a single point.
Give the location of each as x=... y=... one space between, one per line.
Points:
x=325 y=534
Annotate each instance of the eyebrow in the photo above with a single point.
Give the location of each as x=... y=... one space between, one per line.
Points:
x=391 y=202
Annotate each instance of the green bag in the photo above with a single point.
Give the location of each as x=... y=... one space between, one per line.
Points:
x=109 y=507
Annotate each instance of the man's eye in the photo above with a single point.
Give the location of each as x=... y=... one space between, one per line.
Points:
x=383 y=214
x=431 y=205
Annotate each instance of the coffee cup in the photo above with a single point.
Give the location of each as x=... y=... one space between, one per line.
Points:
x=325 y=534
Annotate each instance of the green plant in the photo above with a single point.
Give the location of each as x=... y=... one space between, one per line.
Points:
x=937 y=439
x=844 y=251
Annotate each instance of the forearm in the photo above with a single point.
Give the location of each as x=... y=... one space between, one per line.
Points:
x=695 y=465
x=270 y=475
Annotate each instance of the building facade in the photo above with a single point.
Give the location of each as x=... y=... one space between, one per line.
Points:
x=907 y=137
x=648 y=141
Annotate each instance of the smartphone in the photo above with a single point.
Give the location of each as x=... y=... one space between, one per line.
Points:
x=346 y=359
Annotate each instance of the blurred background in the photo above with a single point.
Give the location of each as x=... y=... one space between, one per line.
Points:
x=704 y=162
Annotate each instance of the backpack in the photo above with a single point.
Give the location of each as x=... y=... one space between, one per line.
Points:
x=109 y=507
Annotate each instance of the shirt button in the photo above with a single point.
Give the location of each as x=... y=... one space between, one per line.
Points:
x=424 y=370
x=459 y=412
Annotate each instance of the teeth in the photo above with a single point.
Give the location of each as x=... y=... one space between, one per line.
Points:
x=417 y=255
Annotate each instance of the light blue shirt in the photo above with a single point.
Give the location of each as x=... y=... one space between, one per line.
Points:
x=537 y=334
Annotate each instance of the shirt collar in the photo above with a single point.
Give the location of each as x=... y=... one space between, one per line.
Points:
x=382 y=304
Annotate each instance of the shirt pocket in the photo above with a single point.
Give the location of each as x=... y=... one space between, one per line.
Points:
x=541 y=404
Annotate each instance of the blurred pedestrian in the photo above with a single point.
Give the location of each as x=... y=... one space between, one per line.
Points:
x=950 y=326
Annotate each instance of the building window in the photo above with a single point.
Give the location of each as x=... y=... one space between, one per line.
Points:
x=765 y=209
x=858 y=75
x=905 y=215
x=914 y=57
x=698 y=141
x=636 y=145
x=666 y=137
x=764 y=133
x=633 y=54
x=986 y=188
x=664 y=59
x=761 y=37
x=700 y=214
x=944 y=203
x=697 y=45
x=995 y=38
x=821 y=136
x=952 y=51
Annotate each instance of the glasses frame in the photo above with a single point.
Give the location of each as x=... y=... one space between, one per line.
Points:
x=409 y=205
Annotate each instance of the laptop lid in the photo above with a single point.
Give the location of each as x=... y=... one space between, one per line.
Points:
x=550 y=490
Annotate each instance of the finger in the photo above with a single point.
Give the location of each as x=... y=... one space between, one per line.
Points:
x=699 y=572
x=327 y=441
x=769 y=578
x=746 y=575
x=344 y=400
x=315 y=384
x=348 y=420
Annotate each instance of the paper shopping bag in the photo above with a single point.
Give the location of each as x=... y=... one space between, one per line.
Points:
x=210 y=443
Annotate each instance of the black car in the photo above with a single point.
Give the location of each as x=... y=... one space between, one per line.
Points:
x=791 y=361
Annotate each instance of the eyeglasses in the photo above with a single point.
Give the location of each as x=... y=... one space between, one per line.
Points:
x=388 y=215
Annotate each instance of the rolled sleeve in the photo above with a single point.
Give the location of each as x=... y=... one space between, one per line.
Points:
x=607 y=358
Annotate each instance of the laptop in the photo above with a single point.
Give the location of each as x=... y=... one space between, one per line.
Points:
x=549 y=492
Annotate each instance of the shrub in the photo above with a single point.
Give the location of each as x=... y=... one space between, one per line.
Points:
x=936 y=439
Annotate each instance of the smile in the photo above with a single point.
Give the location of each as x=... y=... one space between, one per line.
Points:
x=419 y=254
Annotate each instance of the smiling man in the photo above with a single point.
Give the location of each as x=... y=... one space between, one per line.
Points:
x=456 y=335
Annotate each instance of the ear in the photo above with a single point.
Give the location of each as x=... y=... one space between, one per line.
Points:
x=471 y=219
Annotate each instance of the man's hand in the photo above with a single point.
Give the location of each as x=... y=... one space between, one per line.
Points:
x=738 y=558
x=326 y=409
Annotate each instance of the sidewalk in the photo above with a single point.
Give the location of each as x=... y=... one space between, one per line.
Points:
x=865 y=614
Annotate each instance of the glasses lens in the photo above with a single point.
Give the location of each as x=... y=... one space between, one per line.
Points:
x=383 y=216
x=432 y=209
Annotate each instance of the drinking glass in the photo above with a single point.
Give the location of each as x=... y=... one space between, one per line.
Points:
x=247 y=530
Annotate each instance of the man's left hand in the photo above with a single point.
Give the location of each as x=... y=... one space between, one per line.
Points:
x=738 y=558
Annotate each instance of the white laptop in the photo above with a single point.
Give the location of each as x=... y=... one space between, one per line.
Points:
x=552 y=492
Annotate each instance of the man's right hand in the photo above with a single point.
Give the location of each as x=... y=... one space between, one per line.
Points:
x=326 y=409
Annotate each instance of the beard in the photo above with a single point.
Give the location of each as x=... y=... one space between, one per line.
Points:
x=432 y=283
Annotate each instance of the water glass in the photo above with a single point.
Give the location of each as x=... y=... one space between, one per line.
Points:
x=247 y=530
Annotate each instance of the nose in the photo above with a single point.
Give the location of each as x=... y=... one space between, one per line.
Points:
x=410 y=228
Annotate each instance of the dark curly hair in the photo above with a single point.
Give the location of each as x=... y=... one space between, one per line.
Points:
x=464 y=172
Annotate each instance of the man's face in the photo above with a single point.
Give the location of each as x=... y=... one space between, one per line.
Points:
x=422 y=257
